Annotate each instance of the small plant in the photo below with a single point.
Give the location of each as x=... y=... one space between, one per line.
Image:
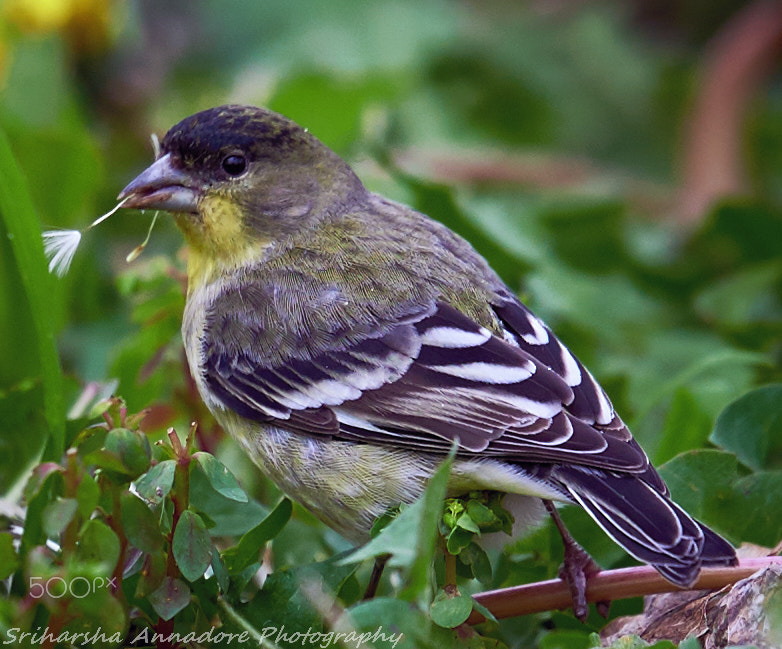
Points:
x=116 y=541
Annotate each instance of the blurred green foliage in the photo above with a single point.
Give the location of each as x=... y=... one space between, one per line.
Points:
x=550 y=137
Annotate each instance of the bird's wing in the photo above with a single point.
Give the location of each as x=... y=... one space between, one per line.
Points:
x=431 y=378
x=524 y=329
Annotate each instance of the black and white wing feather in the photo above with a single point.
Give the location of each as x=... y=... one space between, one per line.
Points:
x=436 y=376
x=429 y=380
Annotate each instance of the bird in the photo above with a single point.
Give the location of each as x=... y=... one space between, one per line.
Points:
x=347 y=342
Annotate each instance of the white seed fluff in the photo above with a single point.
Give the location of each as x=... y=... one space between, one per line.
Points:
x=60 y=246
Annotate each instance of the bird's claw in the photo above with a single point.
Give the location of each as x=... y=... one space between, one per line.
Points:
x=576 y=568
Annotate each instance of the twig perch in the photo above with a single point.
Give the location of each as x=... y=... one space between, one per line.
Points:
x=739 y=61
x=622 y=583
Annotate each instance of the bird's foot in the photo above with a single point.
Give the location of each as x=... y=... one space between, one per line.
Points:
x=576 y=569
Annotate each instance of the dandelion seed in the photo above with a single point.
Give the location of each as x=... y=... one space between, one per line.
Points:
x=60 y=246
x=140 y=248
x=103 y=217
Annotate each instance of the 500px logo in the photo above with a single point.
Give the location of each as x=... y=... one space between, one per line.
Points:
x=78 y=587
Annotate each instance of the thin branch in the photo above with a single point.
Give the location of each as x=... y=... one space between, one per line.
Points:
x=538 y=171
x=739 y=61
x=606 y=585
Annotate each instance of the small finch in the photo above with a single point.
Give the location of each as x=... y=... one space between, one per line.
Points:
x=347 y=341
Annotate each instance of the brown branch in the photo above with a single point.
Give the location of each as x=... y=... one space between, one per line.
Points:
x=536 y=171
x=497 y=167
x=606 y=585
x=738 y=62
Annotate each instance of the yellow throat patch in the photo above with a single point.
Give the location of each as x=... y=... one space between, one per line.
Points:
x=217 y=240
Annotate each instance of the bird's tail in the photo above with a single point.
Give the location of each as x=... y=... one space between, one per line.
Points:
x=636 y=511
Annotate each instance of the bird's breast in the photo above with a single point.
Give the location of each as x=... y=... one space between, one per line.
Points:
x=346 y=485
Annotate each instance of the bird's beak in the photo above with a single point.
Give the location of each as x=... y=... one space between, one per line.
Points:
x=161 y=187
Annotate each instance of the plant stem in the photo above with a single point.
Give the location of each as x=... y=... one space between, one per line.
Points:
x=450 y=569
x=623 y=583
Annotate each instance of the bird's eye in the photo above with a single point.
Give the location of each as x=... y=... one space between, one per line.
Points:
x=234 y=165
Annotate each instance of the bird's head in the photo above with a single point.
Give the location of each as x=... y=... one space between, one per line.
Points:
x=238 y=178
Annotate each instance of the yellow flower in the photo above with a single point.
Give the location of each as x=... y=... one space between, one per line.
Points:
x=39 y=17
x=84 y=23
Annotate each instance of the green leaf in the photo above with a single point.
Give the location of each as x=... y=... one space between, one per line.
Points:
x=156 y=483
x=567 y=639
x=740 y=233
x=481 y=514
x=24 y=428
x=192 y=545
x=418 y=582
x=108 y=462
x=23 y=231
x=91 y=438
x=9 y=561
x=383 y=520
x=504 y=517
x=340 y=103
x=634 y=642
x=151 y=576
x=452 y=510
x=131 y=447
x=246 y=551
x=170 y=597
x=466 y=523
x=221 y=479
x=410 y=537
x=751 y=428
x=45 y=486
x=57 y=514
x=491 y=621
x=743 y=298
x=701 y=482
x=97 y=613
x=458 y=539
x=227 y=517
x=686 y=427
x=757 y=502
x=286 y=596
x=221 y=572
x=395 y=539
x=410 y=628
x=450 y=611
x=39 y=476
x=166 y=509
x=87 y=494
x=475 y=557
x=587 y=234
x=146 y=363
x=708 y=485
x=140 y=524
x=124 y=456
x=99 y=544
